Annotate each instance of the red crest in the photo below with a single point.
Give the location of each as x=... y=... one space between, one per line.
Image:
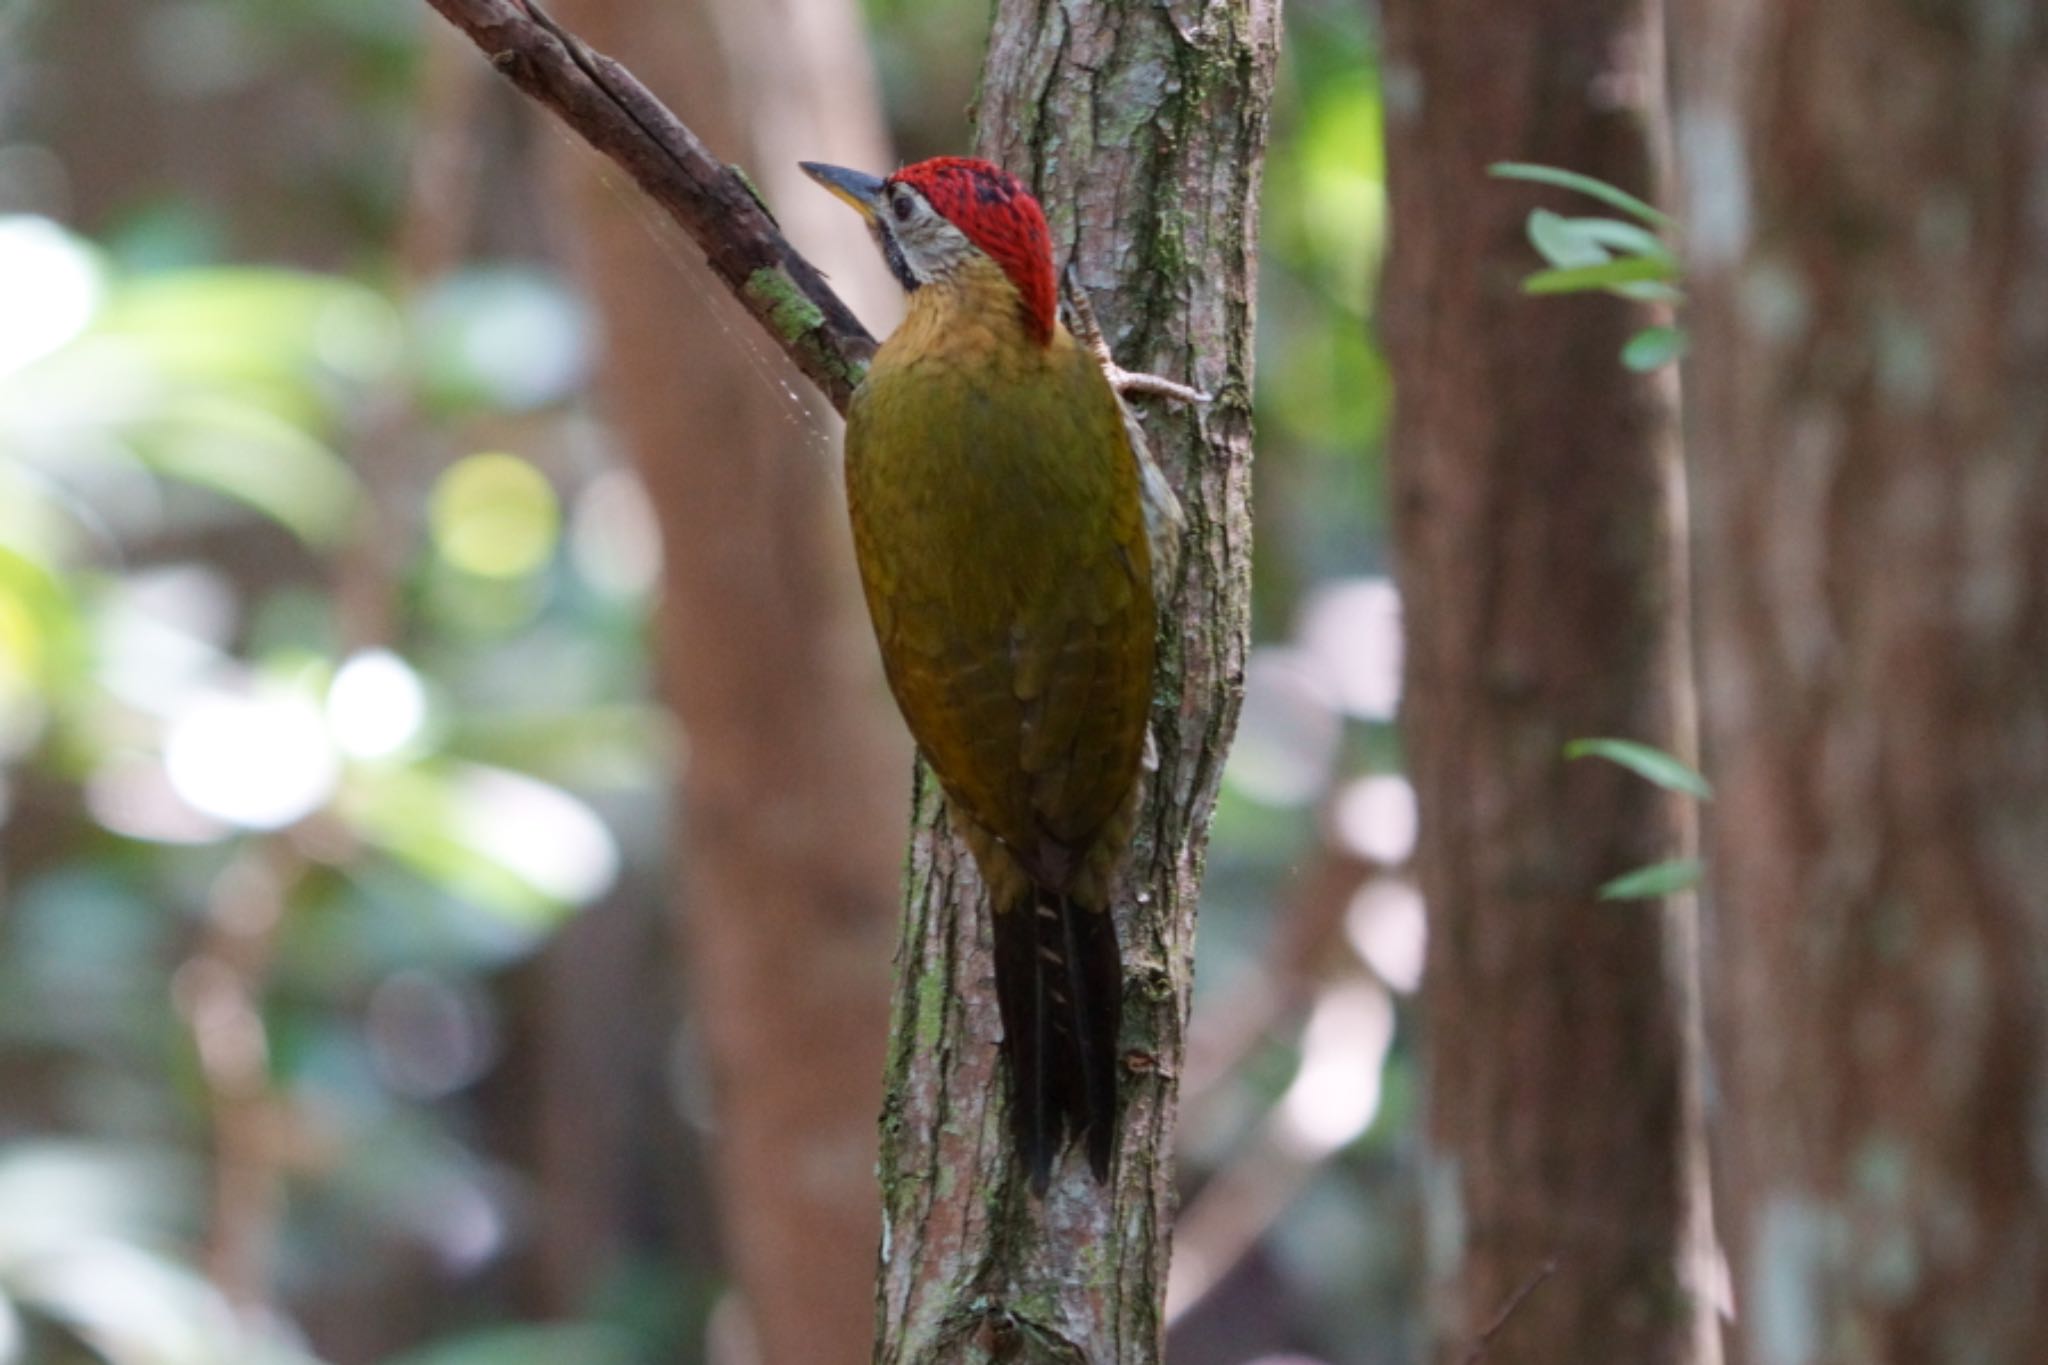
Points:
x=994 y=211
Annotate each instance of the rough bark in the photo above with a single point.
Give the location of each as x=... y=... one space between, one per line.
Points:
x=792 y=821
x=1143 y=131
x=1532 y=478
x=1868 y=421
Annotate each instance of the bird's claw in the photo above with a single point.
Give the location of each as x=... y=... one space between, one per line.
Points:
x=1088 y=332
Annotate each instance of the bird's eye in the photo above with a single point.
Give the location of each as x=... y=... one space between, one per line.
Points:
x=901 y=205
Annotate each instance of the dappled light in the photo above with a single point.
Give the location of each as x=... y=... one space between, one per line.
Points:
x=494 y=516
x=52 y=284
x=376 y=705
x=325 y=708
x=800 y=682
x=259 y=759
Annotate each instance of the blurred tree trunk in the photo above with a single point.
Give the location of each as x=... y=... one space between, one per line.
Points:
x=1143 y=132
x=796 y=767
x=1533 y=479
x=1869 y=243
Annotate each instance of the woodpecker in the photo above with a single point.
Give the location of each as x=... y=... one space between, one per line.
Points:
x=1004 y=517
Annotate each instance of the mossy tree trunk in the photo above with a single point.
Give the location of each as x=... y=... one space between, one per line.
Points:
x=1533 y=477
x=1868 y=426
x=1143 y=130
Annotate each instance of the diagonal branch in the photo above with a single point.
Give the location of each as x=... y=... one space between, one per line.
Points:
x=604 y=105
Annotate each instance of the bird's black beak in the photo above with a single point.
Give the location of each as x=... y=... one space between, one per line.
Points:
x=857 y=188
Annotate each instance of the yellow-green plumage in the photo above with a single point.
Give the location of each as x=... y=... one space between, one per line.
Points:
x=1002 y=547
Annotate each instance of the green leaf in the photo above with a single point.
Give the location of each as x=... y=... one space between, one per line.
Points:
x=1653 y=348
x=42 y=633
x=469 y=830
x=1658 y=879
x=1569 y=242
x=539 y=1344
x=1584 y=184
x=1644 y=760
x=1616 y=235
x=1650 y=291
x=1562 y=242
x=1631 y=270
x=243 y=452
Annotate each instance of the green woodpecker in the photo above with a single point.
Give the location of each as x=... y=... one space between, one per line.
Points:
x=1001 y=500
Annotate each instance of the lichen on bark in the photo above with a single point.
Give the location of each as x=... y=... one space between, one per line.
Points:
x=791 y=314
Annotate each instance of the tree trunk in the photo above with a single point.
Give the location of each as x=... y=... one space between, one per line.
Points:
x=795 y=769
x=1533 y=518
x=1143 y=131
x=1869 y=253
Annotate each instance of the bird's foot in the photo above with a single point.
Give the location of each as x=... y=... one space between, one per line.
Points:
x=1088 y=332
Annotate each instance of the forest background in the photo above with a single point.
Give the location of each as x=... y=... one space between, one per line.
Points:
x=453 y=825
x=341 y=977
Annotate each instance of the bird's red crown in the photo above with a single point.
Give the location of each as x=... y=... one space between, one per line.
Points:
x=994 y=211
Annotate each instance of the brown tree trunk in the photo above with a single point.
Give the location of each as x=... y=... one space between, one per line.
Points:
x=1532 y=516
x=1869 y=428
x=796 y=766
x=1143 y=130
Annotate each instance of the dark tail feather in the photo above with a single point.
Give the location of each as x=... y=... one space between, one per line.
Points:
x=1060 y=983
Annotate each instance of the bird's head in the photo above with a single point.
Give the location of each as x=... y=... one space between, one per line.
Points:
x=945 y=219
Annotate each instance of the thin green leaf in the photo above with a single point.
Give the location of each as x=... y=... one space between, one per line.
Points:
x=1650 y=291
x=1646 y=761
x=1658 y=879
x=1615 y=235
x=1653 y=348
x=1584 y=184
x=1579 y=279
x=1560 y=241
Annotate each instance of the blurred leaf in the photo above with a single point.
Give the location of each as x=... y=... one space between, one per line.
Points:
x=1609 y=275
x=586 y=745
x=403 y=1170
x=1588 y=241
x=56 y=1191
x=1650 y=291
x=1623 y=237
x=1334 y=214
x=511 y=338
x=136 y=1305
x=85 y=950
x=166 y=234
x=1653 y=348
x=1658 y=879
x=1562 y=242
x=1644 y=760
x=40 y=633
x=583 y=1343
x=272 y=336
x=254 y=457
x=1584 y=184
x=223 y=378
x=411 y=814
x=515 y=845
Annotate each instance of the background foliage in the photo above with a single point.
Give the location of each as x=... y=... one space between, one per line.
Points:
x=325 y=731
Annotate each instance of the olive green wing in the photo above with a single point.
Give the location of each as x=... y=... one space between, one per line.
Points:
x=1003 y=553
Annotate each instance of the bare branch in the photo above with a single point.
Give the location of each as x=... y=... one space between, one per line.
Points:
x=604 y=105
